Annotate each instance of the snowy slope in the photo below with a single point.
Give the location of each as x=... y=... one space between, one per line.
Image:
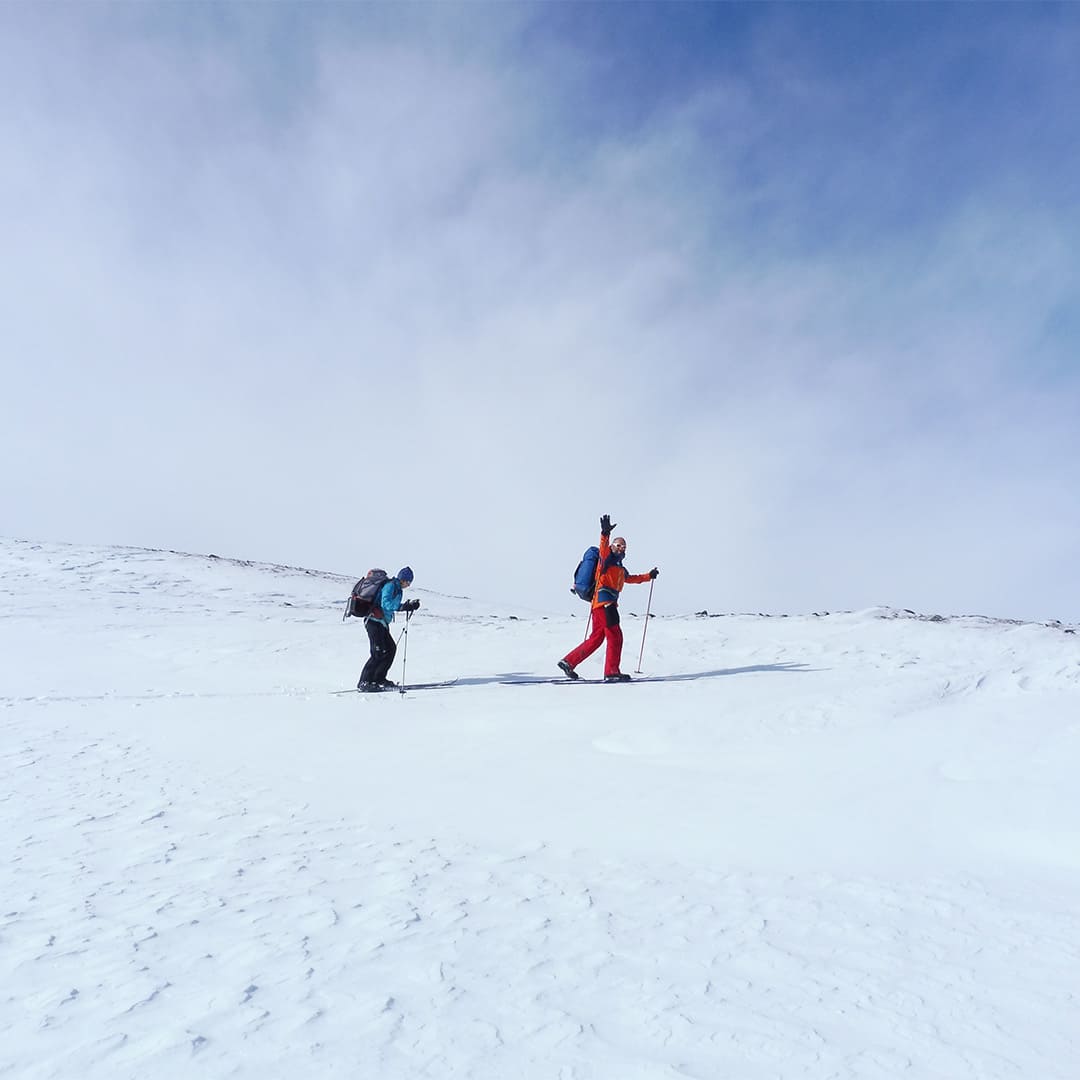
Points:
x=843 y=846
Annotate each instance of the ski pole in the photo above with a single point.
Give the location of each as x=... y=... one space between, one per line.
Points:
x=646 y=627
x=405 y=649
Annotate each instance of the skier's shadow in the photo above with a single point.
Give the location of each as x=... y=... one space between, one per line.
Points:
x=719 y=673
x=520 y=678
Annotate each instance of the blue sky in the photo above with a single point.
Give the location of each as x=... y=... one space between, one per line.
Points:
x=789 y=290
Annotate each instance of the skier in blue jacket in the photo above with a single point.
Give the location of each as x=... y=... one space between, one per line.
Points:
x=377 y=624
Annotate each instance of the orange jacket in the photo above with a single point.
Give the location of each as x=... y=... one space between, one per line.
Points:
x=611 y=576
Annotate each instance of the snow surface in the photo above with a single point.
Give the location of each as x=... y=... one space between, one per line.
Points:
x=821 y=846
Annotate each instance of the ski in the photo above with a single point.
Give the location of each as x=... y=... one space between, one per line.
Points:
x=399 y=689
x=571 y=682
x=541 y=681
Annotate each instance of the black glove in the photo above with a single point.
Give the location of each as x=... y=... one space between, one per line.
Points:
x=410 y=605
x=653 y=573
x=605 y=525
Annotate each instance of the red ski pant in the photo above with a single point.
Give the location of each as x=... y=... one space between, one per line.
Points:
x=605 y=625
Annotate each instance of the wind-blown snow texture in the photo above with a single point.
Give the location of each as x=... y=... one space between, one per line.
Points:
x=839 y=846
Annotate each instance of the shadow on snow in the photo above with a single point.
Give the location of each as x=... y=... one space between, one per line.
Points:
x=523 y=678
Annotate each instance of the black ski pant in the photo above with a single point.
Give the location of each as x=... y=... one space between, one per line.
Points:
x=383 y=651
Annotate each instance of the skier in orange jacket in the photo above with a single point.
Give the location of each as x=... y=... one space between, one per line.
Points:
x=610 y=578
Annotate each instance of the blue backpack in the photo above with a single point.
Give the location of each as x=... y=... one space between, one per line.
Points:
x=585 y=575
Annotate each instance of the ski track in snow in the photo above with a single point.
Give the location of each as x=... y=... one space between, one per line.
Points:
x=170 y=915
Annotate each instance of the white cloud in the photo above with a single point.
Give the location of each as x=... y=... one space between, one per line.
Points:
x=392 y=317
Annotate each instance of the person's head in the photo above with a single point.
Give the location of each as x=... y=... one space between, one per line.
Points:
x=618 y=545
x=405 y=576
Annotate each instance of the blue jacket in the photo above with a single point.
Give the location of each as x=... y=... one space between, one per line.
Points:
x=390 y=597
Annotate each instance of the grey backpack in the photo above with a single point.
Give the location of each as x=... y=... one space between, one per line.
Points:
x=365 y=594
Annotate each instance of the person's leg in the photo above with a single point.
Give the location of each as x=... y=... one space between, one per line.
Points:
x=387 y=652
x=369 y=667
x=381 y=641
x=613 y=633
x=592 y=642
